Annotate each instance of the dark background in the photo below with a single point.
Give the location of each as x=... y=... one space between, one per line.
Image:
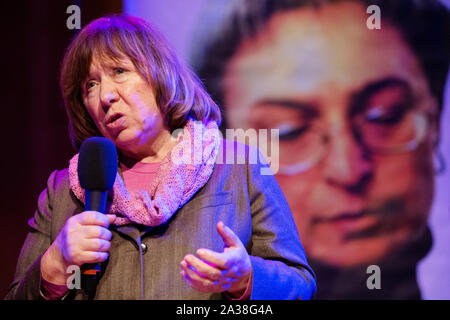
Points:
x=34 y=133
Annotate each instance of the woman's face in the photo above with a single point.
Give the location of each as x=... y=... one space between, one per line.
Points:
x=321 y=69
x=122 y=104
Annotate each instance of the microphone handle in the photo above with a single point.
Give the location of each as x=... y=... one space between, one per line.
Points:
x=95 y=201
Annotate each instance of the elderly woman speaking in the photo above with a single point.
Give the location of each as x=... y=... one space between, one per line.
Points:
x=172 y=230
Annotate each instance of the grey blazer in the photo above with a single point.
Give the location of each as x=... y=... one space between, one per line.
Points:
x=144 y=262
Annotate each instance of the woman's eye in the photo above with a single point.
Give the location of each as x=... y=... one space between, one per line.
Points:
x=386 y=116
x=90 y=84
x=288 y=132
x=119 y=70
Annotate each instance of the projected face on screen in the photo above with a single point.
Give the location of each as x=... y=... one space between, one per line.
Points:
x=354 y=113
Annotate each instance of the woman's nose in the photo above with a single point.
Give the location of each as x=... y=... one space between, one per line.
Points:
x=348 y=165
x=108 y=94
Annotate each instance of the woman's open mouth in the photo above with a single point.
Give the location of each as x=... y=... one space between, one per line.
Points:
x=116 y=120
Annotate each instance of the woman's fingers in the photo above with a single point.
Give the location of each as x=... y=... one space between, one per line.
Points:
x=198 y=282
x=227 y=261
x=94 y=256
x=97 y=232
x=89 y=218
x=96 y=245
x=228 y=236
x=85 y=238
x=213 y=258
x=218 y=271
x=203 y=268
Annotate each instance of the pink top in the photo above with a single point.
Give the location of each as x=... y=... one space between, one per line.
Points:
x=138 y=177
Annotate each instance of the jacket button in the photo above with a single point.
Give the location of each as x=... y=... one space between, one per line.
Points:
x=144 y=248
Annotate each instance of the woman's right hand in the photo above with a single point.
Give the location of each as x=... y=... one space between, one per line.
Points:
x=85 y=238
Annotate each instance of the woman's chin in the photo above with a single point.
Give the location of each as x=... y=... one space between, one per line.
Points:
x=357 y=252
x=125 y=140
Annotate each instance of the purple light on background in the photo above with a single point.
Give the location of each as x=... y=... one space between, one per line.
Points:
x=175 y=19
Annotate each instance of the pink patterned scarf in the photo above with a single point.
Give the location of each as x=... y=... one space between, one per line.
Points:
x=183 y=171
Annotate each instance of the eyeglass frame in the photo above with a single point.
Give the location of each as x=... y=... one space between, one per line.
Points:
x=429 y=118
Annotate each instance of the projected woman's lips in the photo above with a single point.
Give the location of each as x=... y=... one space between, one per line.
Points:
x=348 y=223
x=367 y=222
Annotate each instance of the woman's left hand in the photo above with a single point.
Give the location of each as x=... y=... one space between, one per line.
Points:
x=219 y=271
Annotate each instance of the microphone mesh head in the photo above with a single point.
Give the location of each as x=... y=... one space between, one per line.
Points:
x=97 y=164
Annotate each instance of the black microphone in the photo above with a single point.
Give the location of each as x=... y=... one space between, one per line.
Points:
x=97 y=170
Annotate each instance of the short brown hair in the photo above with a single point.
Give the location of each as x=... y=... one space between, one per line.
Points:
x=178 y=92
